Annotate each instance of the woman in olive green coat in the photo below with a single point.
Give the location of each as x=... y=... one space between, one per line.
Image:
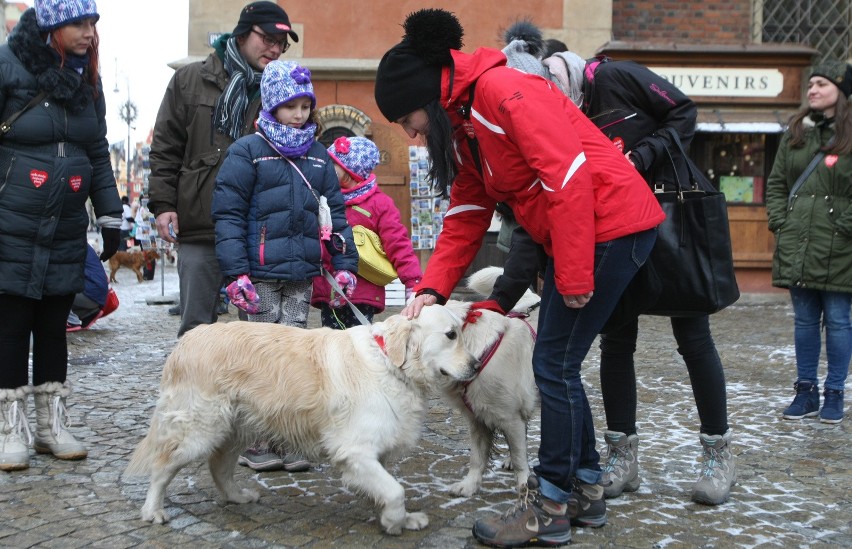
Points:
x=810 y=212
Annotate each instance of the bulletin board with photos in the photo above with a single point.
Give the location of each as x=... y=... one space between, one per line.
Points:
x=427 y=211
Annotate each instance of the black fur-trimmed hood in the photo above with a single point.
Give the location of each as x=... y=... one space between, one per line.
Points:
x=64 y=86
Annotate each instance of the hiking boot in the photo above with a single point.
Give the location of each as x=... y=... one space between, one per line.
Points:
x=832 y=407
x=534 y=520
x=294 y=462
x=174 y=310
x=718 y=472
x=806 y=403
x=586 y=505
x=621 y=468
x=261 y=458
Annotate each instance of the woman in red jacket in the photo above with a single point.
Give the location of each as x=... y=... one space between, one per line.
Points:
x=498 y=134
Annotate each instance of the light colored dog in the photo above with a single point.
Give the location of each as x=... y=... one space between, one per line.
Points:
x=356 y=398
x=503 y=396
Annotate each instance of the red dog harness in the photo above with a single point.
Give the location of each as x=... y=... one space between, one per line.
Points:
x=488 y=354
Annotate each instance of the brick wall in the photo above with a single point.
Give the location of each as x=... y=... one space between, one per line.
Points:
x=694 y=21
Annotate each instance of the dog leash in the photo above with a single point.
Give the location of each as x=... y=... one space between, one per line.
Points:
x=358 y=314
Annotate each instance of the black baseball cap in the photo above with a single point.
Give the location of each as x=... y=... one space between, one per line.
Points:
x=268 y=16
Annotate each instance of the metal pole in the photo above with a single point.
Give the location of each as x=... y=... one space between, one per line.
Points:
x=128 y=137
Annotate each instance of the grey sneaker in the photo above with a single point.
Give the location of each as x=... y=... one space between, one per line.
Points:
x=534 y=520
x=718 y=472
x=621 y=468
x=261 y=458
x=586 y=505
x=294 y=462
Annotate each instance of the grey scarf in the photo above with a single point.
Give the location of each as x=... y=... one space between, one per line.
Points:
x=232 y=104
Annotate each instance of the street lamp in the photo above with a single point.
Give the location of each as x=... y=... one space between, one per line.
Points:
x=127 y=112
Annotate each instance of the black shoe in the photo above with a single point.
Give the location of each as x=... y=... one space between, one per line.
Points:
x=174 y=310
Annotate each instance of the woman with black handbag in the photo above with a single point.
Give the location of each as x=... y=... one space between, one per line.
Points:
x=637 y=110
x=809 y=205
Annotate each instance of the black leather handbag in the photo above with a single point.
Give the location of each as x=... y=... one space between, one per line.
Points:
x=692 y=258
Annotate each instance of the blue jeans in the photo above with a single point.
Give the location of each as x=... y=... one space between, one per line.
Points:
x=565 y=335
x=810 y=309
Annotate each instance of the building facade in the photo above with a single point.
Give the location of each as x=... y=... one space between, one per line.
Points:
x=743 y=61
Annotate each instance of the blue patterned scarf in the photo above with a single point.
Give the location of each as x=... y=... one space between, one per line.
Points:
x=290 y=142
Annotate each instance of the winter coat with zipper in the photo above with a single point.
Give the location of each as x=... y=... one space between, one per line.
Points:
x=566 y=184
x=54 y=158
x=813 y=235
x=186 y=150
x=266 y=215
x=378 y=213
x=630 y=104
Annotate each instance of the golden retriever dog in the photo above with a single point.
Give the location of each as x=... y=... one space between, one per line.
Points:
x=356 y=398
x=133 y=260
x=503 y=396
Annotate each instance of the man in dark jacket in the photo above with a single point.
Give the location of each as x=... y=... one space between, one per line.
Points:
x=207 y=106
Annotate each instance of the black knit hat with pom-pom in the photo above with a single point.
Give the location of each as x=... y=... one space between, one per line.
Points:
x=409 y=74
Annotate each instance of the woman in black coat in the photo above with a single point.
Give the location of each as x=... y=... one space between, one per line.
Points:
x=54 y=158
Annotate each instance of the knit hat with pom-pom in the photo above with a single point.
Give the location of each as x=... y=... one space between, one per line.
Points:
x=357 y=156
x=409 y=74
x=284 y=81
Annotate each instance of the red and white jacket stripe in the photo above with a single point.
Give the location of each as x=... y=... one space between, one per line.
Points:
x=568 y=186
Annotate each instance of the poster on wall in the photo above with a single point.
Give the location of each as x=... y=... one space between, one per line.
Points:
x=427 y=211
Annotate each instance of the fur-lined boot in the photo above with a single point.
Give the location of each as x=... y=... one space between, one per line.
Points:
x=52 y=436
x=15 y=434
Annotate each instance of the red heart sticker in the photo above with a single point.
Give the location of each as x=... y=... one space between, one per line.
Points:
x=38 y=178
x=831 y=160
x=75 y=181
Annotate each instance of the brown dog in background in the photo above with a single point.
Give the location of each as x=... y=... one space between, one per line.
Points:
x=132 y=260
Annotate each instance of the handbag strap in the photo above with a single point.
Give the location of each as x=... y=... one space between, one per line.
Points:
x=808 y=171
x=690 y=167
x=7 y=125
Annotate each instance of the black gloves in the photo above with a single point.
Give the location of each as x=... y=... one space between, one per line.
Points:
x=111 y=239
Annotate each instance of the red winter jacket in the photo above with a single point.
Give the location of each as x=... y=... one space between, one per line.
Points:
x=565 y=182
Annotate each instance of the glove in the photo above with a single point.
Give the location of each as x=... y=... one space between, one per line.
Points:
x=111 y=239
x=490 y=305
x=242 y=294
x=347 y=283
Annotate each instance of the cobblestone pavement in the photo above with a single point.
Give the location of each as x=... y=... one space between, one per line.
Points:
x=794 y=488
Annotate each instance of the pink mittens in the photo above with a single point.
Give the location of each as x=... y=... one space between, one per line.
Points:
x=242 y=294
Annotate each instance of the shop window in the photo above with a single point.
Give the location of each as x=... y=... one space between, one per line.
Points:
x=738 y=164
x=822 y=24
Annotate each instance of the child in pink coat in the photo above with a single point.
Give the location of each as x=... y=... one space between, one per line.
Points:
x=354 y=160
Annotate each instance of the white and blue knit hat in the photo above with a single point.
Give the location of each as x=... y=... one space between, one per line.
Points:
x=52 y=14
x=358 y=156
x=284 y=81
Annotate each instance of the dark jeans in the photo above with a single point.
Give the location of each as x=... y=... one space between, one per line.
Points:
x=565 y=335
x=44 y=319
x=695 y=345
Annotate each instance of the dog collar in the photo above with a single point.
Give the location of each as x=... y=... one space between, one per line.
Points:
x=380 y=340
